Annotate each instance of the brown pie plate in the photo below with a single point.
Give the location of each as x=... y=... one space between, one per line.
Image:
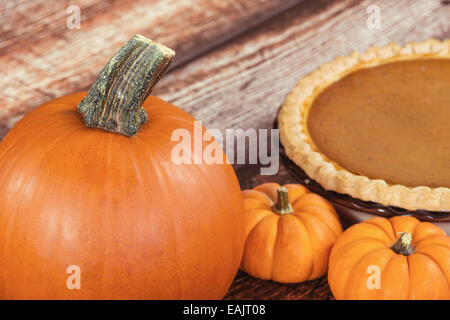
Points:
x=352 y=210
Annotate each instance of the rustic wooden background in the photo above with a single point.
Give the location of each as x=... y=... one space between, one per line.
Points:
x=236 y=61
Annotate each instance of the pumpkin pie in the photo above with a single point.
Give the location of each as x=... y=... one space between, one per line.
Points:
x=376 y=125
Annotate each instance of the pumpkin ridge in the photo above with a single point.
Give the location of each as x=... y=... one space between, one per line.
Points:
x=429 y=236
x=387 y=263
x=309 y=242
x=274 y=251
x=360 y=260
x=268 y=214
x=354 y=242
x=162 y=182
x=36 y=137
x=130 y=158
x=316 y=200
x=259 y=206
x=337 y=263
x=327 y=226
x=413 y=231
x=303 y=207
x=362 y=225
x=434 y=262
x=42 y=157
x=319 y=218
x=251 y=211
x=249 y=197
x=178 y=266
x=438 y=266
x=161 y=174
x=391 y=236
x=444 y=245
x=257 y=224
x=253 y=230
x=409 y=277
x=13 y=142
x=297 y=196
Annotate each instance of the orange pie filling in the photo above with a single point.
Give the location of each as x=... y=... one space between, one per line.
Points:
x=389 y=122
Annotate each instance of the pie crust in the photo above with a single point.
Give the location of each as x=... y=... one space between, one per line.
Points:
x=300 y=148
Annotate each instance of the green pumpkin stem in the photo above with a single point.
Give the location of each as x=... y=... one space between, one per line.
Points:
x=114 y=102
x=282 y=206
x=403 y=244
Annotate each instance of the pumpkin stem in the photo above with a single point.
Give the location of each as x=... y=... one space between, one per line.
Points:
x=283 y=206
x=403 y=244
x=114 y=102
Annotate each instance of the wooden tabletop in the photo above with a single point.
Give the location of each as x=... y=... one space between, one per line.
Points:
x=236 y=61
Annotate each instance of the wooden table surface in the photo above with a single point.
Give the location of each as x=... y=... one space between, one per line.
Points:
x=236 y=61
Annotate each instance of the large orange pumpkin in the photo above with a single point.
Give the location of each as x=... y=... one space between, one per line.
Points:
x=136 y=224
x=290 y=232
x=399 y=258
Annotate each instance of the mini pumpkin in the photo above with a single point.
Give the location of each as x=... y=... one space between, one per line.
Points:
x=104 y=197
x=396 y=258
x=289 y=233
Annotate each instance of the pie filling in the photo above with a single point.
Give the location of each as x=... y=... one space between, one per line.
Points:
x=389 y=122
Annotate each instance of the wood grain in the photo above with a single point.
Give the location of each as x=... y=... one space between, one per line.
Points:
x=246 y=287
x=41 y=58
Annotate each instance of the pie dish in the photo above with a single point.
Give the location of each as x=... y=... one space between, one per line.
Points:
x=376 y=125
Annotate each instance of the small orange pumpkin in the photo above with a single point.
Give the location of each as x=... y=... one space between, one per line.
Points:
x=396 y=258
x=290 y=232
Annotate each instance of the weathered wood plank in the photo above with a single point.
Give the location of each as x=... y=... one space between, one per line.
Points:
x=41 y=58
x=242 y=83
x=245 y=287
